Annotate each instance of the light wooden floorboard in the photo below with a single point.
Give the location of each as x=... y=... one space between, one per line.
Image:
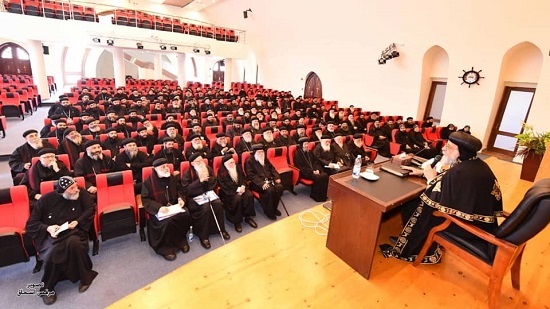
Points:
x=285 y=265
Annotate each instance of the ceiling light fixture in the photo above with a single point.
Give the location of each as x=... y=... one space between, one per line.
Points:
x=173 y=47
x=206 y=51
x=139 y=45
x=196 y=50
x=245 y=13
x=110 y=42
x=96 y=40
x=162 y=47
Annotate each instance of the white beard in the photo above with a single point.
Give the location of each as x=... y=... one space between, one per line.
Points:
x=173 y=135
x=233 y=173
x=260 y=159
x=71 y=197
x=77 y=139
x=202 y=171
x=96 y=157
x=340 y=144
x=162 y=174
x=198 y=146
x=326 y=148
x=248 y=140
x=358 y=143
x=132 y=154
x=257 y=127
x=319 y=135
x=37 y=145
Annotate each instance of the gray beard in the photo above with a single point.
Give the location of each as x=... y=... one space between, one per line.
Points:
x=248 y=140
x=76 y=140
x=36 y=145
x=198 y=147
x=233 y=173
x=268 y=139
x=162 y=174
x=71 y=197
x=132 y=154
x=260 y=160
x=325 y=148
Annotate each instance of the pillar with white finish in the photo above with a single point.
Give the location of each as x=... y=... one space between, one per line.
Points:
x=182 y=80
x=227 y=76
x=158 y=66
x=38 y=68
x=118 y=66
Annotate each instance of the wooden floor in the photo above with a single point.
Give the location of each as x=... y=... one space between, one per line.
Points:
x=285 y=265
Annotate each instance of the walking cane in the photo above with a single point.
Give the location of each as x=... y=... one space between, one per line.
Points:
x=215 y=219
x=281 y=200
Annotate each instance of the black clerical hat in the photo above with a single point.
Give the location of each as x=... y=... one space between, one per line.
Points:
x=468 y=145
x=64 y=183
x=31 y=131
x=358 y=135
x=226 y=158
x=46 y=150
x=302 y=140
x=159 y=162
x=194 y=156
x=221 y=134
x=91 y=143
x=257 y=147
x=68 y=131
x=127 y=141
x=266 y=129
x=167 y=139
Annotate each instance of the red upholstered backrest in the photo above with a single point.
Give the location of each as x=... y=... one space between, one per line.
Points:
x=115 y=188
x=244 y=157
x=291 y=153
x=278 y=157
x=14 y=208
x=217 y=162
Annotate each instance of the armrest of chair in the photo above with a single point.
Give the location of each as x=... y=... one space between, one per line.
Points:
x=139 y=204
x=473 y=229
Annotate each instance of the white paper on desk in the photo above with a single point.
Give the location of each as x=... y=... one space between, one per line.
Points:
x=204 y=198
x=62 y=228
x=172 y=210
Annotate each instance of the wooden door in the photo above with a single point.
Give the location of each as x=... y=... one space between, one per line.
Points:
x=313 y=87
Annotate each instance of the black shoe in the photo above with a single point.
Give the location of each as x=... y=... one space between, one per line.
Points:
x=205 y=243
x=38 y=266
x=238 y=227
x=185 y=248
x=251 y=222
x=83 y=288
x=272 y=217
x=49 y=299
x=226 y=235
x=95 y=248
x=277 y=212
x=169 y=256
x=142 y=234
x=393 y=239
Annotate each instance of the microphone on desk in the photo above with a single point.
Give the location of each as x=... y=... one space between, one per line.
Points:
x=436 y=159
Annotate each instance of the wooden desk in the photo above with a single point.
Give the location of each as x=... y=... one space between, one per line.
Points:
x=357 y=208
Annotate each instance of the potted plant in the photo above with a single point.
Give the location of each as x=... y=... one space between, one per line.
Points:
x=532 y=147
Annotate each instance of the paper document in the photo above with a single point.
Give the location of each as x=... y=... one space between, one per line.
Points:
x=62 y=228
x=172 y=210
x=204 y=198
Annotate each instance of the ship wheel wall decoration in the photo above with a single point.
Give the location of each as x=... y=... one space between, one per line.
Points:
x=471 y=77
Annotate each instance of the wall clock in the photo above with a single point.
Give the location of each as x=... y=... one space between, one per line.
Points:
x=471 y=77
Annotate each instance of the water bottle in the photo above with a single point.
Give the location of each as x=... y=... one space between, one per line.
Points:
x=357 y=167
x=190 y=236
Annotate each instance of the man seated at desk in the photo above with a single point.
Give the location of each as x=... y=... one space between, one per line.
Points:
x=464 y=187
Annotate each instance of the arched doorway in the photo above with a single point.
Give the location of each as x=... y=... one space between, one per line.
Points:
x=313 y=88
x=218 y=71
x=14 y=59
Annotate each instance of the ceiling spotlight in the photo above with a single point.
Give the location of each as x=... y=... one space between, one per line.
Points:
x=245 y=13
x=110 y=42
x=381 y=61
x=163 y=47
x=173 y=47
x=96 y=40
x=395 y=54
x=196 y=50
x=207 y=52
x=139 y=45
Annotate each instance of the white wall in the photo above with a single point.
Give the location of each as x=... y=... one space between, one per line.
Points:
x=341 y=42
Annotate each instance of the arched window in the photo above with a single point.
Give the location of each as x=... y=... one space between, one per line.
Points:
x=14 y=59
x=313 y=87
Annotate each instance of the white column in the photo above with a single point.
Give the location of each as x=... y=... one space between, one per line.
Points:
x=228 y=74
x=182 y=80
x=118 y=66
x=158 y=66
x=38 y=68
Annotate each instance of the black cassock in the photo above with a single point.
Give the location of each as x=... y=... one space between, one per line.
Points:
x=201 y=215
x=39 y=173
x=165 y=236
x=468 y=190
x=259 y=175
x=24 y=154
x=236 y=206
x=65 y=257
x=306 y=163
x=137 y=163
x=71 y=149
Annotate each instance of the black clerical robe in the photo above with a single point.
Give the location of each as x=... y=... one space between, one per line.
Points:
x=71 y=149
x=39 y=173
x=325 y=158
x=258 y=175
x=469 y=190
x=381 y=143
x=174 y=157
x=236 y=205
x=204 y=152
x=407 y=145
x=307 y=164
x=147 y=142
x=202 y=218
x=243 y=146
x=169 y=235
x=137 y=163
x=65 y=257
x=355 y=151
x=24 y=154
x=112 y=144
x=89 y=168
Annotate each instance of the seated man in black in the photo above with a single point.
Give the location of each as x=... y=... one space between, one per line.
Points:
x=48 y=168
x=245 y=144
x=166 y=236
x=310 y=168
x=324 y=153
x=144 y=139
x=265 y=180
x=402 y=137
x=65 y=253
x=94 y=129
x=355 y=147
x=197 y=146
x=342 y=152
x=221 y=147
x=171 y=154
x=93 y=162
x=20 y=159
x=60 y=127
x=196 y=181
x=284 y=139
x=267 y=138
x=235 y=194
x=72 y=145
x=132 y=159
x=112 y=142
x=381 y=142
x=425 y=151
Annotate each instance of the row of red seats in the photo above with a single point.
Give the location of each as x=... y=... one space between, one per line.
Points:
x=145 y=20
x=52 y=9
